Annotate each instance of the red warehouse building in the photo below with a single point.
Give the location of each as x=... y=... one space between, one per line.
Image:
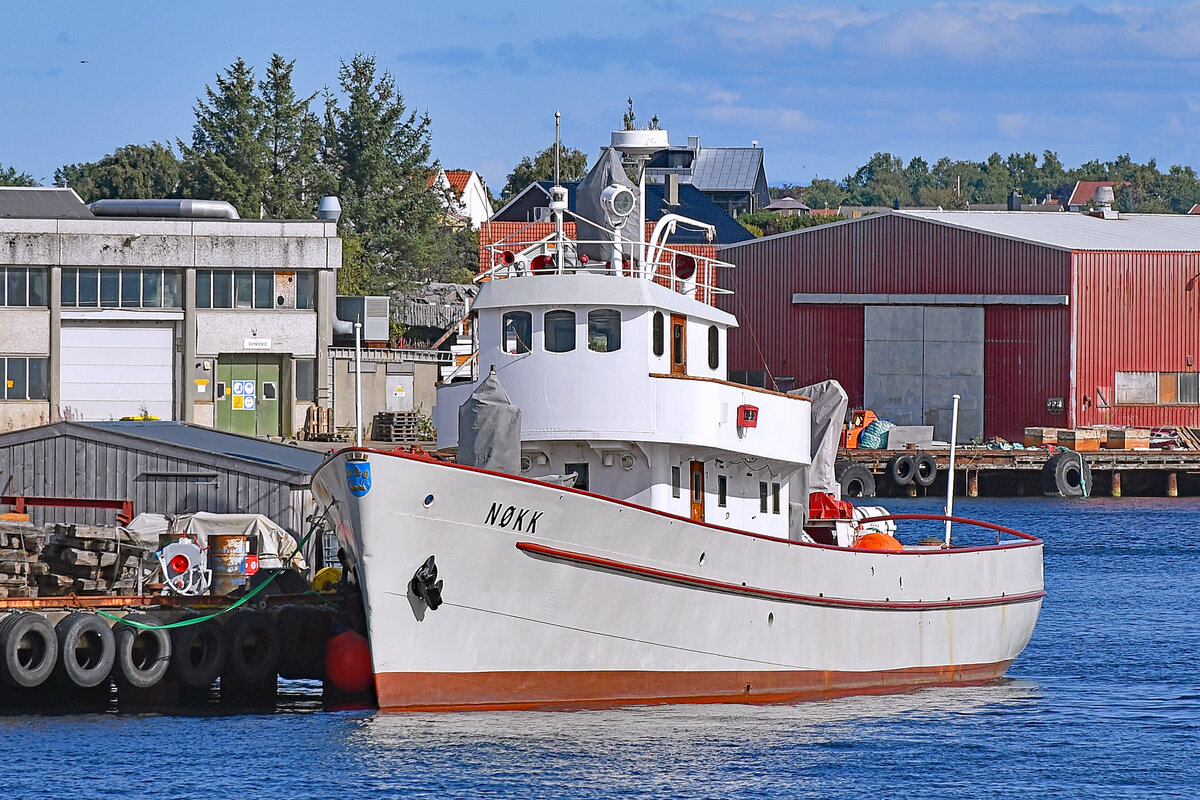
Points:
x=1052 y=319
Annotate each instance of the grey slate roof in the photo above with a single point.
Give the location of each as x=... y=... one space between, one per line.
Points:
x=38 y=202
x=208 y=440
x=726 y=169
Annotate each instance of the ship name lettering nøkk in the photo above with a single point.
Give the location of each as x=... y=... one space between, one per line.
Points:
x=519 y=519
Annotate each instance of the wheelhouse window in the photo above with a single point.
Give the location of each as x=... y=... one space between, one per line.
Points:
x=517 y=332
x=604 y=330
x=714 y=347
x=675 y=480
x=678 y=342
x=774 y=498
x=762 y=496
x=657 y=333
x=722 y=490
x=560 y=331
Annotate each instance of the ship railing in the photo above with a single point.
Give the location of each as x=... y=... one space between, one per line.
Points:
x=1000 y=530
x=466 y=368
x=687 y=271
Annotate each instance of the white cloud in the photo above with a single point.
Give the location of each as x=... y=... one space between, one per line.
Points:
x=782 y=120
x=1013 y=124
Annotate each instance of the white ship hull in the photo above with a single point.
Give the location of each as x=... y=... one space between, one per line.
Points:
x=555 y=597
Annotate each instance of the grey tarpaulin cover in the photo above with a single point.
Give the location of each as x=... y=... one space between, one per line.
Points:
x=829 y=404
x=489 y=429
x=607 y=171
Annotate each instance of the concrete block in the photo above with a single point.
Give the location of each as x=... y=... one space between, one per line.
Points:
x=104 y=226
x=33 y=249
x=245 y=252
x=29 y=225
x=24 y=331
x=901 y=436
x=333 y=253
x=130 y=250
x=293 y=332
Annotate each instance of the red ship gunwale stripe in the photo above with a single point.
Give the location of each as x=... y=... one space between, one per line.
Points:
x=771 y=594
x=1028 y=540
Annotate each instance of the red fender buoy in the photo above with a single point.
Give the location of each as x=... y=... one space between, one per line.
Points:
x=348 y=663
x=875 y=540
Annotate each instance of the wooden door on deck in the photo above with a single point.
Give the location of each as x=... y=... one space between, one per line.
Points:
x=697 y=470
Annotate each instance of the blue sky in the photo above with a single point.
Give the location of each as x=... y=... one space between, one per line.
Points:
x=820 y=85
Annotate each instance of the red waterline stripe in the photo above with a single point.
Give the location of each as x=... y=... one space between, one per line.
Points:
x=770 y=594
x=552 y=689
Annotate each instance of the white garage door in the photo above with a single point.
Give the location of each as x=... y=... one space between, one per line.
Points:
x=114 y=371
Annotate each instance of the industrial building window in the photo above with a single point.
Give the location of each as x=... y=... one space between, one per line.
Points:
x=22 y=286
x=1157 y=388
x=604 y=330
x=23 y=378
x=306 y=380
x=124 y=288
x=714 y=347
x=517 y=331
x=560 y=331
x=306 y=290
x=219 y=288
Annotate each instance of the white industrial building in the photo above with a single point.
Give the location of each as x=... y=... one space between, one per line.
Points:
x=172 y=309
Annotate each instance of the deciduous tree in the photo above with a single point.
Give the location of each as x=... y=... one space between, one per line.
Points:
x=133 y=171
x=573 y=166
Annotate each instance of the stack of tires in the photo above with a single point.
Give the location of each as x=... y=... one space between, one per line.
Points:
x=855 y=479
x=905 y=469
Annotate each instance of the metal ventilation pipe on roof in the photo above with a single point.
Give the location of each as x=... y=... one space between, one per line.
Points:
x=190 y=209
x=1014 y=201
x=329 y=209
x=1102 y=201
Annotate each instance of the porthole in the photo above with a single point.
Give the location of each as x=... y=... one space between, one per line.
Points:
x=770 y=619
x=702 y=555
x=428 y=500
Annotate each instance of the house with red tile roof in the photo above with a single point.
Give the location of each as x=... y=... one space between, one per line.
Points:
x=469 y=202
x=1074 y=198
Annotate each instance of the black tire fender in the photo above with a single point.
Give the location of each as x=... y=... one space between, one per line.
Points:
x=857 y=481
x=253 y=644
x=926 y=469
x=86 y=648
x=901 y=469
x=143 y=655
x=1066 y=474
x=198 y=654
x=28 y=649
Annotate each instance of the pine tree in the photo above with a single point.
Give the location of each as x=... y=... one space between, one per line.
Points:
x=382 y=156
x=291 y=133
x=228 y=159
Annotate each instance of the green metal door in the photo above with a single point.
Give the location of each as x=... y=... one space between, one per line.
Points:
x=248 y=394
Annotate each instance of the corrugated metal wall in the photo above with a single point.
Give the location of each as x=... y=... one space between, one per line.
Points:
x=1026 y=361
x=1135 y=314
x=72 y=466
x=894 y=254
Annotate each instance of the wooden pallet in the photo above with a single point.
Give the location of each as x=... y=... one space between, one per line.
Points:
x=396 y=426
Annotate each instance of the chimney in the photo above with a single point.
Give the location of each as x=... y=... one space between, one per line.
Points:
x=694 y=144
x=1102 y=202
x=671 y=192
x=1014 y=201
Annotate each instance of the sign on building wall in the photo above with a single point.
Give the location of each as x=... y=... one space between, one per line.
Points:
x=243 y=395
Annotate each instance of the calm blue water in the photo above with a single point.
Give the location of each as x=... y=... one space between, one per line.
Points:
x=1105 y=702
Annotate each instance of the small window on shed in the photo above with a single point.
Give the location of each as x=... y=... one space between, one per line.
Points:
x=604 y=330
x=657 y=334
x=714 y=347
x=517 y=331
x=560 y=331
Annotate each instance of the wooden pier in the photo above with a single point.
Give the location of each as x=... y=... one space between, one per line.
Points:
x=1013 y=473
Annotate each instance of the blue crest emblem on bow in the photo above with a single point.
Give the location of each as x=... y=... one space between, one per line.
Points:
x=358 y=477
